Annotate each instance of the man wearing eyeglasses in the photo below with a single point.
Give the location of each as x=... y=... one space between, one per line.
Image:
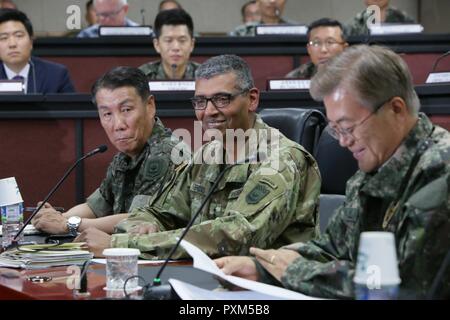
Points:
x=267 y=196
x=109 y=13
x=325 y=40
x=401 y=187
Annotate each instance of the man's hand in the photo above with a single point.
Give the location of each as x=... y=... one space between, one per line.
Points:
x=243 y=267
x=144 y=228
x=275 y=261
x=49 y=220
x=95 y=239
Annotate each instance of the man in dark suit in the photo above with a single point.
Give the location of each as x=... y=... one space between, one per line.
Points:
x=16 y=44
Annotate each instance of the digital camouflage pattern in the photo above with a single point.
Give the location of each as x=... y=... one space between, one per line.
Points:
x=358 y=25
x=254 y=204
x=155 y=71
x=249 y=29
x=420 y=221
x=141 y=178
x=305 y=71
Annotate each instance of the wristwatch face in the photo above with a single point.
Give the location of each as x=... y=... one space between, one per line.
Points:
x=74 y=221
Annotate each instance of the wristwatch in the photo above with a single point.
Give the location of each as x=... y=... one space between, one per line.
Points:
x=73 y=223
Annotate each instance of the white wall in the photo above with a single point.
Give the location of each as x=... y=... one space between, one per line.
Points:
x=209 y=15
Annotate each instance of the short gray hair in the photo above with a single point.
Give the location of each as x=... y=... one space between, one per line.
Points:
x=121 y=2
x=374 y=74
x=227 y=63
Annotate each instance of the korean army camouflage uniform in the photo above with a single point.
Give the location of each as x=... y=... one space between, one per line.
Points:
x=249 y=29
x=265 y=204
x=407 y=196
x=155 y=70
x=358 y=25
x=305 y=71
x=130 y=183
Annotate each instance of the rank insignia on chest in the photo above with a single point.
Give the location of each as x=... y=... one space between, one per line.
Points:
x=257 y=193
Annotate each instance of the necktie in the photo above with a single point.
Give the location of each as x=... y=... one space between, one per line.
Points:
x=19 y=78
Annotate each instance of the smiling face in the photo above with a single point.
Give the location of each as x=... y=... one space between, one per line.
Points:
x=320 y=55
x=15 y=45
x=376 y=136
x=175 y=45
x=237 y=115
x=127 y=120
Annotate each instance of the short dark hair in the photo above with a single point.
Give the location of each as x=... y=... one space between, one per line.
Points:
x=16 y=15
x=174 y=17
x=89 y=4
x=119 y=77
x=245 y=7
x=163 y=2
x=326 y=22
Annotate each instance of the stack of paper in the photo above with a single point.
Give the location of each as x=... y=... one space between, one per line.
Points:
x=257 y=290
x=45 y=255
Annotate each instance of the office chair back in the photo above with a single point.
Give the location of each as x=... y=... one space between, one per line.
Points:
x=300 y=125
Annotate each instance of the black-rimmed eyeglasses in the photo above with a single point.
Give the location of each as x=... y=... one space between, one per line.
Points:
x=219 y=100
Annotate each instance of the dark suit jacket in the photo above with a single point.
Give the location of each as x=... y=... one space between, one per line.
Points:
x=50 y=77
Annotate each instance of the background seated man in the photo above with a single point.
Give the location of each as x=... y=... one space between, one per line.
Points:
x=168 y=5
x=174 y=41
x=268 y=202
x=138 y=172
x=271 y=13
x=325 y=40
x=358 y=25
x=110 y=13
x=401 y=187
x=16 y=44
x=250 y=12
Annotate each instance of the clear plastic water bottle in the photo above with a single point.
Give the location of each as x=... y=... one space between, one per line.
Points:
x=12 y=221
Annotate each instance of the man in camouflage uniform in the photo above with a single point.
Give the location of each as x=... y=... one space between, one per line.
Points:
x=174 y=41
x=144 y=162
x=271 y=12
x=358 y=25
x=325 y=40
x=401 y=187
x=268 y=201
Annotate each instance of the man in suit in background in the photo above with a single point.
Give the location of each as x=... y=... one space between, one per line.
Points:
x=16 y=44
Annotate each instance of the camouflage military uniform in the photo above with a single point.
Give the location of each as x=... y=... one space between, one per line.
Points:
x=155 y=70
x=408 y=196
x=254 y=204
x=129 y=180
x=305 y=71
x=358 y=26
x=249 y=29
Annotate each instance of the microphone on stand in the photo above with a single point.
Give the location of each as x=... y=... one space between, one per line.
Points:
x=143 y=16
x=156 y=291
x=174 y=71
x=99 y=149
x=438 y=60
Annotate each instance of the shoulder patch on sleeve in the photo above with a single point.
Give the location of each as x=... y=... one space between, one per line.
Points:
x=156 y=167
x=257 y=194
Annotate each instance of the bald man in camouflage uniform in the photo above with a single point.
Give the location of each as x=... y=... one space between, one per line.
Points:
x=269 y=202
x=358 y=25
x=401 y=187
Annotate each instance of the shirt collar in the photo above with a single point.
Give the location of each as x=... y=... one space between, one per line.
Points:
x=11 y=74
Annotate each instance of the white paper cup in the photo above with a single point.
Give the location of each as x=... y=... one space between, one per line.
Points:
x=376 y=274
x=121 y=265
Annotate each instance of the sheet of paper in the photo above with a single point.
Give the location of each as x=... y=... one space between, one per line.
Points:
x=188 y=291
x=203 y=262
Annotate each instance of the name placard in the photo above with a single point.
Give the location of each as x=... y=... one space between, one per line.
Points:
x=169 y=85
x=125 y=31
x=281 y=29
x=11 y=86
x=379 y=29
x=289 y=84
x=438 y=77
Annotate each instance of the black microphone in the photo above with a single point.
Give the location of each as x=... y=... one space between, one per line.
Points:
x=99 y=149
x=156 y=291
x=174 y=71
x=438 y=60
x=143 y=16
